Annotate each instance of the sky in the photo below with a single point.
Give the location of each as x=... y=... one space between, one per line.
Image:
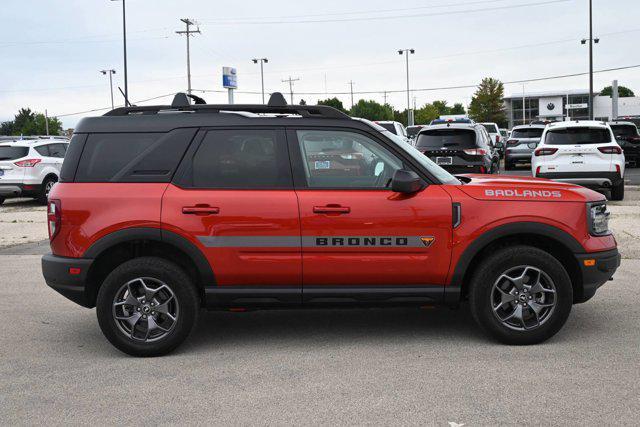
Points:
x=52 y=50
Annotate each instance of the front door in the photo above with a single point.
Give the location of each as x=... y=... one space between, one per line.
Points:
x=235 y=201
x=355 y=230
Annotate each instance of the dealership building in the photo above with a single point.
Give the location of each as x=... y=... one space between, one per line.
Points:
x=566 y=105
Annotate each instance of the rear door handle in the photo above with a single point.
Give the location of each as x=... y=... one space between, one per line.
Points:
x=200 y=210
x=331 y=209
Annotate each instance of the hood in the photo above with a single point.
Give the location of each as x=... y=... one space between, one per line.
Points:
x=523 y=188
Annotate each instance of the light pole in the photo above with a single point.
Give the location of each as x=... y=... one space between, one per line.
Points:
x=124 y=38
x=591 y=41
x=262 y=62
x=407 y=52
x=111 y=73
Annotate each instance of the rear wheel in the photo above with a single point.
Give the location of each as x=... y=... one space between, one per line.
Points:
x=147 y=306
x=47 y=185
x=521 y=295
x=617 y=191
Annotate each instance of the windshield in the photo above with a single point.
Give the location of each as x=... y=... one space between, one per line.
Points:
x=624 y=130
x=442 y=138
x=578 y=135
x=527 y=133
x=11 y=153
x=388 y=126
x=435 y=170
x=491 y=128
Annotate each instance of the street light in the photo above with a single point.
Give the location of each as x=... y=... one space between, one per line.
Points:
x=124 y=38
x=262 y=62
x=111 y=73
x=591 y=41
x=408 y=52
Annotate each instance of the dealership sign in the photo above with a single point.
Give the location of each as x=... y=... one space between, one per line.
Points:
x=229 y=78
x=576 y=106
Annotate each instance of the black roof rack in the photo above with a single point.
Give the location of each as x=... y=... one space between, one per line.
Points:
x=275 y=106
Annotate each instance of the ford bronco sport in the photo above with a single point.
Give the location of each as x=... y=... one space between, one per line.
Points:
x=163 y=210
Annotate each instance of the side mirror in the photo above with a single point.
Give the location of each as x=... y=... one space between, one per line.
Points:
x=405 y=181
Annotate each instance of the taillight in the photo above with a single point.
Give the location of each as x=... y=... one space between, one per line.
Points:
x=545 y=151
x=475 y=151
x=614 y=149
x=54 y=216
x=29 y=163
x=512 y=142
x=497 y=138
x=538 y=170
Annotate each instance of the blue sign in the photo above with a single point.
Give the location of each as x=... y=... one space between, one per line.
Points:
x=229 y=78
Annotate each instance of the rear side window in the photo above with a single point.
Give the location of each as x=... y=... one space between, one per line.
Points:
x=450 y=138
x=12 y=153
x=57 y=150
x=578 y=135
x=132 y=157
x=249 y=159
x=43 y=150
x=624 y=130
x=491 y=128
x=527 y=133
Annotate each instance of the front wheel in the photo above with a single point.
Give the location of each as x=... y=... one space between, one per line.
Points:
x=521 y=295
x=147 y=306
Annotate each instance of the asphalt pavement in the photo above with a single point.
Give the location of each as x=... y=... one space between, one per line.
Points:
x=373 y=366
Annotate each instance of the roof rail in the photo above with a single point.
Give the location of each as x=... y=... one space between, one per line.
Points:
x=275 y=106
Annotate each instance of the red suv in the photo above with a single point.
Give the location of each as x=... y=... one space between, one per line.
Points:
x=163 y=210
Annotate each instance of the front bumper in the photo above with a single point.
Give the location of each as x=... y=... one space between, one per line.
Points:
x=596 y=268
x=68 y=277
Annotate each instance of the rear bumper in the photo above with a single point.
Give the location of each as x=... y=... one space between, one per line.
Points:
x=8 y=190
x=586 y=179
x=518 y=156
x=604 y=266
x=58 y=275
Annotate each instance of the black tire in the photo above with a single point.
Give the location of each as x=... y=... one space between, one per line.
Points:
x=185 y=296
x=2 y=199
x=509 y=166
x=482 y=288
x=44 y=190
x=617 y=191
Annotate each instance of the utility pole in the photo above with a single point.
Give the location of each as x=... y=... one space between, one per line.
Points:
x=262 y=62
x=46 y=121
x=524 y=109
x=124 y=38
x=407 y=52
x=111 y=73
x=384 y=94
x=351 y=82
x=188 y=32
x=591 y=42
x=290 y=81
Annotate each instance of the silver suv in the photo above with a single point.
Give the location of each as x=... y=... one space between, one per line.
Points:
x=520 y=146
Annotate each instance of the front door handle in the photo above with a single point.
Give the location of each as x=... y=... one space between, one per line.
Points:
x=331 y=209
x=200 y=210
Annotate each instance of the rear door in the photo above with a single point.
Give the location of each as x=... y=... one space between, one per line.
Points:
x=578 y=149
x=233 y=198
x=355 y=230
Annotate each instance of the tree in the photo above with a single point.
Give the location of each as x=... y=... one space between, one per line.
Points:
x=303 y=102
x=332 y=102
x=441 y=107
x=27 y=122
x=486 y=103
x=372 y=110
x=457 y=108
x=426 y=113
x=400 y=116
x=623 y=92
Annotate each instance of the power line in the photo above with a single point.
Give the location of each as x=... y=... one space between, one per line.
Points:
x=290 y=81
x=94 y=110
x=386 y=18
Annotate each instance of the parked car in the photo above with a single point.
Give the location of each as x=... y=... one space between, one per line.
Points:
x=30 y=167
x=459 y=148
x=395 y=128
x=412 y=132
x=628 y=139
x=581 y=152
x=158 y=215
x=520 y=146
x=494 y=132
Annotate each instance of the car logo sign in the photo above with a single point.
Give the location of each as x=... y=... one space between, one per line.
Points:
x=428 y=240
x=551 y=106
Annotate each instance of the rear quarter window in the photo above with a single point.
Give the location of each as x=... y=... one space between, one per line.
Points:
x=577 y=136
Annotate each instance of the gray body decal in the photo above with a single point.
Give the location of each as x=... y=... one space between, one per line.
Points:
x=316 y=241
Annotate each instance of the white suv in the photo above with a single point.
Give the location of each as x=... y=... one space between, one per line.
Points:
x=581 y=152
x=30 y=167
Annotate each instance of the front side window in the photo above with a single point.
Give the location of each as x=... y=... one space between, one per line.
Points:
x=342 y=159
x=57 y=150
x=248 y=159
x=577 y=136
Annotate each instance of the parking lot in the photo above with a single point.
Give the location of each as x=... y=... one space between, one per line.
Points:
x=401 y=366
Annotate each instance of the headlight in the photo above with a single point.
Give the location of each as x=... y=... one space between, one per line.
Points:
x=598 y=217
